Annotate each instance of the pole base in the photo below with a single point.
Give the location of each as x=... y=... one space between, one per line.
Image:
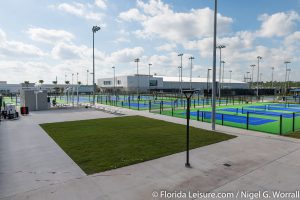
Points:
x=187 y=165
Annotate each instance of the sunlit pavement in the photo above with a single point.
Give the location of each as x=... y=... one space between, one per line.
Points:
x=253 y=161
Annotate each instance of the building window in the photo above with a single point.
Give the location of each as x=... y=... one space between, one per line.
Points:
x=106 y=82
x=153 y=83
x=119 y=82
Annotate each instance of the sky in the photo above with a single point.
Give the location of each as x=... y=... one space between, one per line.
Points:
x=42 y=40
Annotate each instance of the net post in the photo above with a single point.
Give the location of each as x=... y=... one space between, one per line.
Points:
x=247 y=120
x=222 y=119
x=280 y=129
x=294 y=121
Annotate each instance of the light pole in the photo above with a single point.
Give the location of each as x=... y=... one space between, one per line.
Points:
x=223 y=62
x=181 y=54
x=149 y=76
x=87 y=77
x=230 y=76
x=214 y=88
x=94 y=29
x=77 y=89
x=220 y=47
x=286 y=65
x=191 y=71
x=252 y=74
x=288 y=78
x=248 y=77
x=114 y=69
x=207 y=81
x=137 y=60
x=72 y=90
x=179 y=73
x=258 y=59
x=188 y=94
x=260 y=80
x=272 y=83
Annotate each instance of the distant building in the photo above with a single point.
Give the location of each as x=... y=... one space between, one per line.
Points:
x=144 y=83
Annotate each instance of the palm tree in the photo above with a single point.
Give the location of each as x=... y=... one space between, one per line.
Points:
x=67 y=82
x=41 y=81
x=55 y=89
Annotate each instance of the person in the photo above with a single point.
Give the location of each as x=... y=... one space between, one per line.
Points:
x=54 y=102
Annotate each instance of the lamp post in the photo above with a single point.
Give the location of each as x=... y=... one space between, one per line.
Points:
x=179 y=75
x=258 y=59
x=286 y=65
x=149 y=76
x=94 y=29
x=223 y=62
x=181 y=54
x=188 y=94
x=220 y=47
x=137 y=60
x=248 y=77
x=191 y=71
x=252 y=74
x=272 y=83
x=214 y=89
x=77 y=91
x=230 y=76
x=114 y=70
x=208 y=70
x=72 y=95
x=288 y=78
x=87 y=77
x=260 y=80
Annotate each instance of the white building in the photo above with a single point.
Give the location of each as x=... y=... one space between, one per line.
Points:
x=144 y=83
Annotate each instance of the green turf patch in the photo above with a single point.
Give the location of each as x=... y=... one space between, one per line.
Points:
x=102 y=144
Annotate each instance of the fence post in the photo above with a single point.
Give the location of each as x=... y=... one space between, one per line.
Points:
x=172 y=112
x=280 y=128
x=247 y=120
x=202 y=116
x=222 y=119
x=160 y=108
x=194 y=103
x=242 y=110
x=149 y=105
x=138 y=104
x=237 y=111
x=294 y=121
x=197 y=115
x=162 y=105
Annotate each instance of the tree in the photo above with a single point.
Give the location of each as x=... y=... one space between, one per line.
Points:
x=79 y=83
x=67 y=82
x=41 y=81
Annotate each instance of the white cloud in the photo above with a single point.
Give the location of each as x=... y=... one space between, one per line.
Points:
x=132 y=15
x=49 y=35
x=158 y=19
x=126 y=55
x=166 y=47
x=293 y=38
x=101 y=4
x=278 y=24
x=79 y=10
x=13 y=48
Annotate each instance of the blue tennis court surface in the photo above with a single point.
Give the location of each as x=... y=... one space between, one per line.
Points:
x=272 y=107
x=259 y=112
x=235 y=118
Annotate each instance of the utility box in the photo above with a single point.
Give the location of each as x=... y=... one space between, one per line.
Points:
x=34 y=99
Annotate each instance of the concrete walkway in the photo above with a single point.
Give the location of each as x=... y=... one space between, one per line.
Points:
x=29 y=158
x=255 y=161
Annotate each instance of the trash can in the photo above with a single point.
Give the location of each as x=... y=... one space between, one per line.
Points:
x=24 y=110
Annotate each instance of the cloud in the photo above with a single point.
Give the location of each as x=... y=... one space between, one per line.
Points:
x=166 y=47
x=79 y=10
x=158 y=19
x=49 y=35
x=279 y=24
x=126 y=55
x=13 y=48
x=132 y=15
x=101 y=4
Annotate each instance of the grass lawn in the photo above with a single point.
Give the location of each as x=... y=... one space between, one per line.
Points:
x=102 y=144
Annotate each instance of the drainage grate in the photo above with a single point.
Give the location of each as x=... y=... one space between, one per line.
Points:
x=227 y=165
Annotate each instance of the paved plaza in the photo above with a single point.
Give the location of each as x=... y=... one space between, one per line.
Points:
x=33 y=166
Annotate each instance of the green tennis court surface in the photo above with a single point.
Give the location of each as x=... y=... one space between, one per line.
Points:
x=264 y=117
